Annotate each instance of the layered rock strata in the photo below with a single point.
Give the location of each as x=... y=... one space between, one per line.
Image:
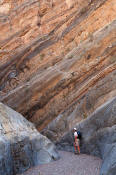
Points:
x=21 y=145
x=56 y=55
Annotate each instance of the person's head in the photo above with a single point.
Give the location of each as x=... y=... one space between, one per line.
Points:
x=75 y=129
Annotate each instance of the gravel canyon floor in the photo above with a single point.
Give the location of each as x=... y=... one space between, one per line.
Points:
x=69 y=164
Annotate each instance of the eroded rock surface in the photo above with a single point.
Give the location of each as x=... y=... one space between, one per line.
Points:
x=57 y=66
x=98 y=136
x=56 y=55
x=21 y=145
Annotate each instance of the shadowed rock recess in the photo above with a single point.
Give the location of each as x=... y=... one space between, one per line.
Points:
x=58 y=65
x=98 y=137
x=21 y=145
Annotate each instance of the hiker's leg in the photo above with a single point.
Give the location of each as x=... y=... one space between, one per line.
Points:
x=78 y=145
x=75 y=148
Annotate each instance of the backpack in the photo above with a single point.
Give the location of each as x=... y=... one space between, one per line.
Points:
x=79 y=134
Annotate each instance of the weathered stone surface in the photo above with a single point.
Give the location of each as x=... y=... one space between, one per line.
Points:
x=54 y=54
x=81 y=108
x=57 y=58
x=98 y=136
x=21 y=145
x=109 y=152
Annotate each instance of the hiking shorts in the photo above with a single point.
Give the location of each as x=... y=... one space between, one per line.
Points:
x=77 y=142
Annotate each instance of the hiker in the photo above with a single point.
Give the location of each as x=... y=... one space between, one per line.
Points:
x=77 y=137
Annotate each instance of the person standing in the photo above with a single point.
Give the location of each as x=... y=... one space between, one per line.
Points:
x=77 y=137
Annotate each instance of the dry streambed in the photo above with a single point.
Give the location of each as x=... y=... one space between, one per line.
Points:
x=69 y=164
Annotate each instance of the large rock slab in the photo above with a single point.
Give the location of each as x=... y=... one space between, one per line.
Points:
x=21 y=145
x=82 y=108
x=98 y=136
x=53 y=55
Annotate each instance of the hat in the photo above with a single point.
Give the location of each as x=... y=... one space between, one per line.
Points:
x=75 y=129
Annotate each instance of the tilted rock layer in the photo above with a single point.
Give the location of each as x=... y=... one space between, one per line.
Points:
x=57 y=56
x=21 y=145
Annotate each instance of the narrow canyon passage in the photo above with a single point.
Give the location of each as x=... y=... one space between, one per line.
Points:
x=69 y=164
x=57 y=72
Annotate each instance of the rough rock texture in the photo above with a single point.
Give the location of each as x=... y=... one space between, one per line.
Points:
x=21 y=145
x=98 y=136
x=57 y=56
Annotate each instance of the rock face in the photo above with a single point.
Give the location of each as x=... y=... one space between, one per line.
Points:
x=57 y=66
x=57 y=57
x=98 y=136
x=21 y=145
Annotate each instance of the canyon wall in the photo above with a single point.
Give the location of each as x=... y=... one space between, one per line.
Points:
x=57 y=58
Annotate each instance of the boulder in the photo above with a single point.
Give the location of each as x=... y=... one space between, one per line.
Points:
x=98 y=136
x=21 y=145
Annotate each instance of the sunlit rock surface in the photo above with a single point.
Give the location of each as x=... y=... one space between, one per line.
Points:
x=57 y=57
